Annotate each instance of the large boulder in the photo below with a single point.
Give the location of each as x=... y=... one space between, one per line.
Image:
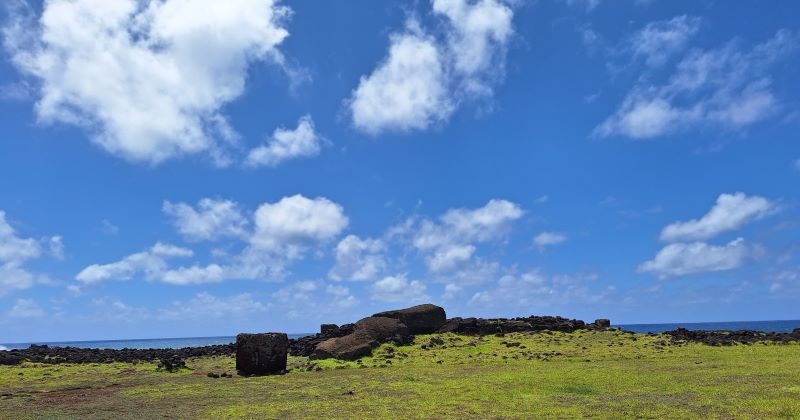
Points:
x=367 y=334
x=349 y=347
x=261 y=354
x=420 y=319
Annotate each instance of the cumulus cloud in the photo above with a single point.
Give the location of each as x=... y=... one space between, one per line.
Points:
x=407 y=91
x=450 y=243
x=358 y=259
x=152 y=263
x=287 y=144
x=16 y=251
x=727 y=87
x=295 y=222
x=545 y=239
x=682 y=259
x=399 y=289
x=422 y=80
x=281 y=233
x=730 y=212
x=146 y=79
x=213 y=219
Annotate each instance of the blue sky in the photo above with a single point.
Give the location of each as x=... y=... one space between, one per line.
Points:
x=175 y=170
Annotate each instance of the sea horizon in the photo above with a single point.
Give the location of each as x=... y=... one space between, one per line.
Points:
x=777 y=326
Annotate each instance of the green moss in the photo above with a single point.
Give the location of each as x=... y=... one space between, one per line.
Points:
x=601 y=374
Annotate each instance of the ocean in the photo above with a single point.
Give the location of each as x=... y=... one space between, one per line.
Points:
x=766 y=326
x=174 y=343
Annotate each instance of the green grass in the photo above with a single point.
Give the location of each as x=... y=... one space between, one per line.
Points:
x=583 y=374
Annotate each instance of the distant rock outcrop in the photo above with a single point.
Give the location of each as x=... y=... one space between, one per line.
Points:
x=420 y=319
x=729 y=338
x=261 y=354
x=480 y=326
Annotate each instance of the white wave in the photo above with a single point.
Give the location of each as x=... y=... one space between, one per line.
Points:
x=3 y=348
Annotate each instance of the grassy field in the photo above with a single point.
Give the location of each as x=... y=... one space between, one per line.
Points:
x=582 y=374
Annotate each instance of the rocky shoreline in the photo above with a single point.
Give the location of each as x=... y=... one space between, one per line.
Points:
x=351 y=341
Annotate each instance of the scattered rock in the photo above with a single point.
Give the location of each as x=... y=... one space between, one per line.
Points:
x=171 y=364
x=212 y=375
x=261 y=354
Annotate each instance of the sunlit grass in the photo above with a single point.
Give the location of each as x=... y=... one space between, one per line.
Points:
x=604 y=374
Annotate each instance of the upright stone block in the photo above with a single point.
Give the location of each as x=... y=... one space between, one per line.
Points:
x=326 y=329
x=261 y=354
x=602 y=323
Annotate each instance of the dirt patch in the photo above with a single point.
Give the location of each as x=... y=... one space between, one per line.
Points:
x=79 y=395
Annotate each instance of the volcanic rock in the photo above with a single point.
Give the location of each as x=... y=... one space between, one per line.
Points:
x=420 y=319
x=367 y=334
x=602 y=323
x=261 y=354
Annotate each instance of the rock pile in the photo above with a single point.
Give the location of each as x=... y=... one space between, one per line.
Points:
x=480 y=326
x=728 y=338
x=56 y=355
x=261 y=354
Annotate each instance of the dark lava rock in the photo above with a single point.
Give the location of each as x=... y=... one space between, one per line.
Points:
x=261 y=354
x=9 y=358
x=602 y=323
x=367 y=334
x=55 y=355
x=479 y=326
x=304 y=346
x=728 y=338
x=420 y=319
x=796 y=332
x=328 y=328
x=171 y=364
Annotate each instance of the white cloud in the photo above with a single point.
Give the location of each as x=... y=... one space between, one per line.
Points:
x=546 y=239
x=422 y=80
x=282 y=232
x=358 y=259
x=658 y=41
x=26 y=308
x=295 y=222
x=147 y=80
x=205 y=305
x=151 y=263
x=450 y=244
x=399 y=289
x=297 y=297
x=15 y=252
x=213 y=219
x=109 y=228
x=408 y=90
x=726 y=87
x=534 y=289
x=479 y=32
x=287 y=144
x=681 y=259
x=13 y=249
x=730 y=212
